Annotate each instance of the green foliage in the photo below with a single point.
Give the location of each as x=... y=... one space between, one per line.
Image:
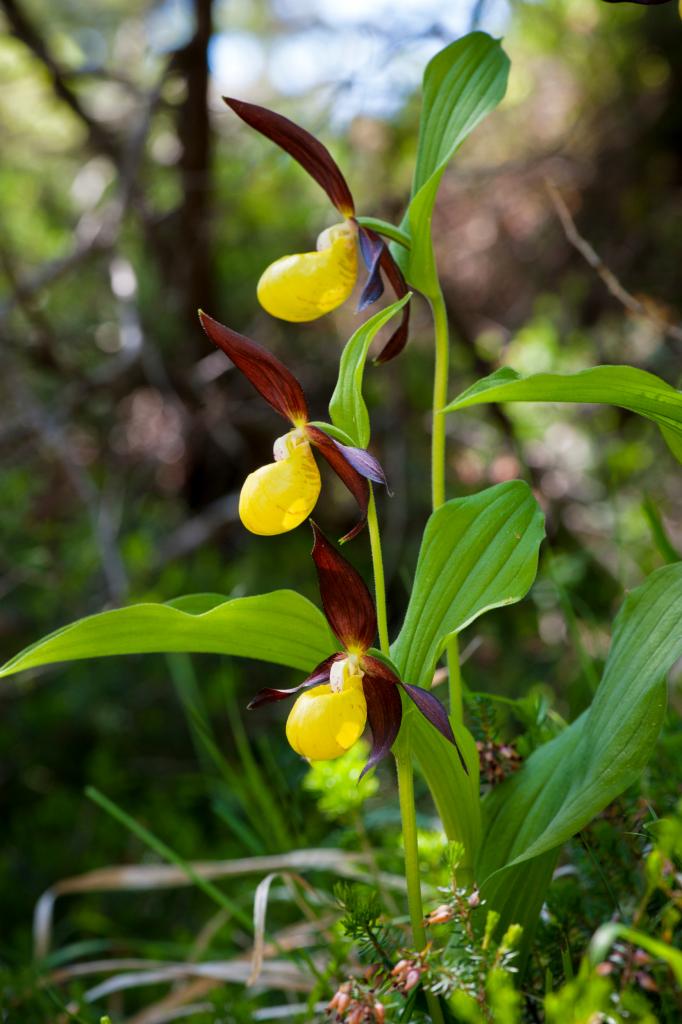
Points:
x=568 y=780
x=625 y=386
x=281 y=627
x=477 y=553
x=463 y=83
x=337 y=784
x=347 y=406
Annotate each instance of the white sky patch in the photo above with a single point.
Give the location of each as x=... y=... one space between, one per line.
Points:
x=363 y=59
x=236 y=60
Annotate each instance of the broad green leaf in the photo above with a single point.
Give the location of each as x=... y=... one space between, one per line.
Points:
x=282 y=627
x=625 y=386
x=455 y=794
x=462 y=84
x=347 y=406
x=477 y=553
x=569 y=780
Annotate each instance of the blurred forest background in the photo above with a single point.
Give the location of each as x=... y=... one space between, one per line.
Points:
x=129 y=197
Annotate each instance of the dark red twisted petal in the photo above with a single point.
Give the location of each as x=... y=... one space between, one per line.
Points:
x=371 y=247
x=346 y=601
x=317 y=676
x=432 y=709
x=336 y=455
x=396 y=343
x=384 y=714
x=269 y=376
x=304 y=147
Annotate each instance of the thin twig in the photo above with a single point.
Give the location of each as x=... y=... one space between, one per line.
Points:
x=589 y=254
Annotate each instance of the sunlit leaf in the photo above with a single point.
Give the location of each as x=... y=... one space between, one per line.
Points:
x=282 y=627
x=624 y=386
x=477 y=553
x=347 y=406
x=462 y=84
x=570 y=779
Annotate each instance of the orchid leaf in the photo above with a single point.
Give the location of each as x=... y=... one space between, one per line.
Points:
x=462 y=84
x=477 y=553
x=624 y=386
x=281 y=627
x=347 y=406
x=570 y=779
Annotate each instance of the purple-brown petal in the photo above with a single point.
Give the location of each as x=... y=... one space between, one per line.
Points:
x=396 y=343
x=356 y=482
x=432 y=709
x=304 y=147
x=317 y=676
x=384 y=714
x=365 y=464
x=346 y=601
x=269 y=376
x=371 y=247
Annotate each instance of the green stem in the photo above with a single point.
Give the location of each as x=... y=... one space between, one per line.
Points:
x=403 y=760
x=378 y=566
x=382 y=227
x=440 y=397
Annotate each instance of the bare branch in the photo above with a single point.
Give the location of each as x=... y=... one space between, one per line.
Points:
x=22 y=27
x=589 y=254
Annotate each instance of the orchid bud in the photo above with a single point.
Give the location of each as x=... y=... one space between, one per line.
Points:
x=277 y=498
x=306 y=285
x=323 y=725
x=412 y=979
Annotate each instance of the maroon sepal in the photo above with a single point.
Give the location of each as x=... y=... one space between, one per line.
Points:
x=396 y=343
x=336 y=456
x=384 y=714
x=269 y=376
x=317 y=676
x=432 y=709
x=304 y=147
x=371 y=247
x=346 y=601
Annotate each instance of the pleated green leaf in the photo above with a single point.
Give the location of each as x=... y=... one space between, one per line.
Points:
x=624 y=386
x=569 y=780
x=347 y=406
x=477 y=553
x=282 y=627
x=462 y=84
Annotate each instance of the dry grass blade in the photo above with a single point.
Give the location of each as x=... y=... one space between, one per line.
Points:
x=260 y=908
x=281 y=974
x=164 y=876
x=292 y=938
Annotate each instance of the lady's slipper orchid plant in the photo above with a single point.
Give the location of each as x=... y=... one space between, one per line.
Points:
x=352 y=687
x=305 y=286
x=277 y=497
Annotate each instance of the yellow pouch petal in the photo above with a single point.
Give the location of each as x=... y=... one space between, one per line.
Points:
x=323 y=725
x=279 y=496
x=307 y=285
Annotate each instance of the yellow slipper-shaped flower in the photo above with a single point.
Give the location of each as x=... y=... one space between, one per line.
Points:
x=278 y=497
x=307 y=285
x=351 y=687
